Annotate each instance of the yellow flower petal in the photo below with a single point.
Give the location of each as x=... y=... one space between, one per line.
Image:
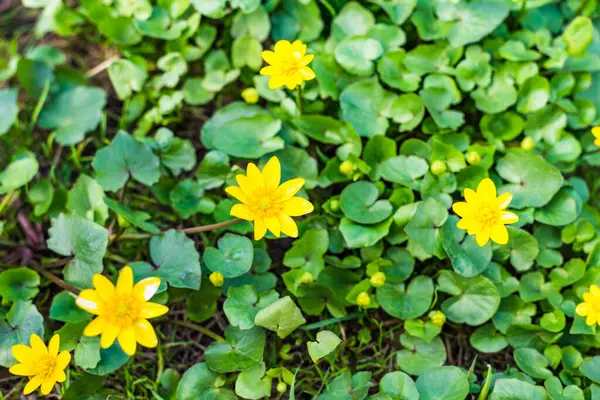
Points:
x=482 y=237
x=146 y=288
x=288 y=189
x=127 y=340
x=260 y=229
x=104 y=287
x=246 y=185
x=109 y=334
x=463 y=224
x=237 y=193
x=588 y=297
x=144 y=333
x=307 y=59
x=591 y=319
x=62 y=361
x=461 y=209
x=255 y=177
x=95 y=327
x=287 y=225
x=37 y=345
x=499 y=234
x=594 y=290
x=275 y=82
x=504 y=200
x=509 y=218
x=268 y=71
x=486 y=188
x=22 y=353
x=282 y=47
x=47 y=386
x=596 y=131
x=299 y=47
x=272 y=174
x=242 y=211
x=291 y=83
x=272 y=224
x=59 y=375
x=53 y=345
x=307 y=74
x=125 y=281
x=89 y=301
x=582 y=310
x=270 y=57
x=153 y=310
x=471 y=196
x=297 y=206
x=33 y=384
x=23 y=369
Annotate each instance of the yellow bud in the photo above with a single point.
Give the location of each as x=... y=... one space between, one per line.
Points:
x=363 y=299
x=334 y=205
x=346 y=167
x=438 y=167
x=377 y=279
x=437 y=318
x=250 y=95
x=473 y=158
x=307 y=278
x=527 y=144
x=216 y=278
x=281 y=387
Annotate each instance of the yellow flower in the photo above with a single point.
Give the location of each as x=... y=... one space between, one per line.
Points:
x=266 y=202
x=217 y=279
x=250 y=95
x=288 y=65
x=363 y=299
x=43 y=365
x=590 y=307
x=484 y=215
x=596 y=133
x=122 y=311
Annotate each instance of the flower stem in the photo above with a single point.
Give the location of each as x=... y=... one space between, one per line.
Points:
x=194 y=229
x=55 y=279
x=198 y=328
x=299 y=98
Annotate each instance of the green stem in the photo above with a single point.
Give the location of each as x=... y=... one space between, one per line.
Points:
x=55 y=279
x=194 y=229
x=299 y=99
x=6 y=201
x=197 y=328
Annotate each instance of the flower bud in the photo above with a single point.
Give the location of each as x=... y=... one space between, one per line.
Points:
x=281 y=387
x=527 y=144
x=363 y=299
x=346 y=167
x=437 y=318
x=377 y=279
x=438 y=167
x=250 y=95
x=216 y=278
x=334 y=205
x=473 y=158
x=307 y=278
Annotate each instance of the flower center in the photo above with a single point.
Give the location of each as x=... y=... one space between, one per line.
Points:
x=46 y=366
x=488 y=216
x=291 y=65
x=265 y=205
x=123 y=310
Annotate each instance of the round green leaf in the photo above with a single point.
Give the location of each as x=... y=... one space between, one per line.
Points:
x=419 y=356
x=445 y=383
x=233 y=257
x=406 y=301
x=359 y=203
x=19 y=284
x=243 y=350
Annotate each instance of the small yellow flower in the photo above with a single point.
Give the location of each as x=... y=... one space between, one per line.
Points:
x=590 y=307
x=346 y=167
x=596 y=133
x=43 y=365
x=266 y=202
x=250 y=95
x=307 y=278
x=216 y=278
x=437 y=318
x=122 y=311
x=288 y=65
x=484 y=215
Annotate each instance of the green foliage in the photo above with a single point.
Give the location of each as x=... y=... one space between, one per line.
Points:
x=123 y=121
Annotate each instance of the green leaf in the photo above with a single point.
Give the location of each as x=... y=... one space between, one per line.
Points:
x=111 y=359
x=73 y=113
x=404 y=170
x=233 y=258
x=406 y=301
x=198 y=381
x=19 y=172
x=246 y=50
x=307 y=252
x=555 y=390
x=514 y=389
x=394 y=73
x=398 y=384
x=359 y=203
x=86 y=198
x=356 y=235
x=468 y=258
x=474 y=20
x=125 y=157
x=134 y=217
x=22 y=320
x=126 y=78
x=243 y=304
x=474 y=300
x=294 y=20
x=64 y=309
x=445 y=383
x=419 y=356
x=578 y=35
x=174 y=260
x=283 y=316
x=253 y=384
x=487 y=339
x=187 y=198
x=348 y=387
x=563 y=209
x=532 y=362
x=175 y=153
x=19 y=284
x=243 y=350
x=352 y=20
x=532 y=180
x=424 y=227
x=8 y=103
x=534 y=94
x=326 y=342
x=84 y=240
x=87 y=352
x=590 y=368
x=361 y=104
x=213 y=170
x=357 y=55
